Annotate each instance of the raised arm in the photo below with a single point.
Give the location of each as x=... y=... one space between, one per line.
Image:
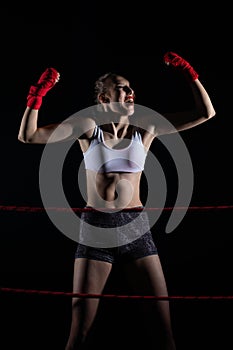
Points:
x=203 y=108
x=29 y=132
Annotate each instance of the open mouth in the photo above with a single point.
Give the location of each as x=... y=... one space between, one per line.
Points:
x=130 y=99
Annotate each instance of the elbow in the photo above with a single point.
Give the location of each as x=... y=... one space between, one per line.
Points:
x=23 y=139
x=210 y=113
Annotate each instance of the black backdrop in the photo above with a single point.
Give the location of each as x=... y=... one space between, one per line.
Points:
x=82 y=42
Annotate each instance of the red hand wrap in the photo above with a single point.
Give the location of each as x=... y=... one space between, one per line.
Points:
x=178 y=62
x=47 y=80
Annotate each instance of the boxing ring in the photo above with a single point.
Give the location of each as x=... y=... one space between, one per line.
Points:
x=32 y=303
x=31 y=209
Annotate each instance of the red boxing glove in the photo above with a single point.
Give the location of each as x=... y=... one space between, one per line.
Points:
x=178 y=62
x=47 y=80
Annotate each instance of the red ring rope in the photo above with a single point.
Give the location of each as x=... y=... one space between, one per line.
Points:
x=113 y=296
x=117 y=296
x=62 y=209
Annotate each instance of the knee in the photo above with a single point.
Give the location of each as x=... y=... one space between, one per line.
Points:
x=77 y=303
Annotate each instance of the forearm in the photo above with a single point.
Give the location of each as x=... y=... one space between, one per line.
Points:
x=203 y=105
x=202 y=111
x=29 y=131
x=28 y=125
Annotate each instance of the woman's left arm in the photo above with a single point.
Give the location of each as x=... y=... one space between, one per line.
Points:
x=203 y=108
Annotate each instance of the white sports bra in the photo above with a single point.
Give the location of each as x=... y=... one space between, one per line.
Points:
x=101 y=158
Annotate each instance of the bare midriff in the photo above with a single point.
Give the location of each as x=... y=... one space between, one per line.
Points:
x=113 y=190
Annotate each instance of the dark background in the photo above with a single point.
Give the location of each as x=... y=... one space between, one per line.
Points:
x=82 y=42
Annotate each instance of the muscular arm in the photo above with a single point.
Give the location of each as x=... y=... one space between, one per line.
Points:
x=203 y=107
x=71 y=128
x=202 y=112
x=30 y=133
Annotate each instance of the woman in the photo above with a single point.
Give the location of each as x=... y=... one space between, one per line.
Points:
x=113 y=180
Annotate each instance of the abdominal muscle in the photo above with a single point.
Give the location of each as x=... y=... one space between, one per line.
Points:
x=113 y=190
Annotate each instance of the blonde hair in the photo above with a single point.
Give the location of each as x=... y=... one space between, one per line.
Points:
x=99 y=86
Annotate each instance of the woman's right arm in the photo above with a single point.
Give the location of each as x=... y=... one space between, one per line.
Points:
x=29 y=132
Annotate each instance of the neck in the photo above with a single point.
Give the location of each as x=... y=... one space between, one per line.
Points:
x=119 y=130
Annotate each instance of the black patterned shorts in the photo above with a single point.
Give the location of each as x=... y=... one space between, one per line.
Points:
x=130 y=242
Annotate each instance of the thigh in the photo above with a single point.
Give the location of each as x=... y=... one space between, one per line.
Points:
x=90 y=275
x=145 y=276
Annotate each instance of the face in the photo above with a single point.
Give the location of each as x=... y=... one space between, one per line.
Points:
x=119 y=96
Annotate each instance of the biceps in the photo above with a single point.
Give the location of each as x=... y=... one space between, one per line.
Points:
x=53 y=133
